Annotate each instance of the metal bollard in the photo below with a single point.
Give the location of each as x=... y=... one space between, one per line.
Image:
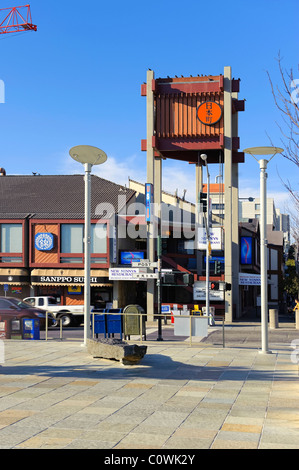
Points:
x=297 y=319
x=273 y=317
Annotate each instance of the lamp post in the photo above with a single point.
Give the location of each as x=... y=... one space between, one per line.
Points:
x=89 y=156
x=263 y=237
x=204 y=157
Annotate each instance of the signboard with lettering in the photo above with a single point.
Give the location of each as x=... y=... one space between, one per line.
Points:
x=209 y=113
x=216 y=238
x=123 y=274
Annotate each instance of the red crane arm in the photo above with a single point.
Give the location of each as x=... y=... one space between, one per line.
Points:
x=16 y=19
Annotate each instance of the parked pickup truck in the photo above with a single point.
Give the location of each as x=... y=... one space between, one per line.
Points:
x=69 y=314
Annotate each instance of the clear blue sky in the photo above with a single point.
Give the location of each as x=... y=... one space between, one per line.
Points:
x=77 y=81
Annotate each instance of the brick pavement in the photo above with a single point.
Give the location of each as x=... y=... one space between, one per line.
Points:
x=54 y=395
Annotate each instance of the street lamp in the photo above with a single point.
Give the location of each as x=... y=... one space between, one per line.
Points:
x=89 y=156
x=263 y=238
x=204 y=157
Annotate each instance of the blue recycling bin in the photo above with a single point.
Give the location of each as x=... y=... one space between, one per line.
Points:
x=100 y=323
x=114 y=322
x=31 y=328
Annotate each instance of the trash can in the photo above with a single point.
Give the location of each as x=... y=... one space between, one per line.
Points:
x=16 y=328
x=31 y=328
x=5 y=327
x=132 y=322
x=99 y=322
x=114 y=322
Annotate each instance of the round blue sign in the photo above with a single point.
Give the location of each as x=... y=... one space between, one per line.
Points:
x=44 y=241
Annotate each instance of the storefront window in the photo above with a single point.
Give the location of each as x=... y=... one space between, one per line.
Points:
x=72 y=238
x=98 y=238
x=11 y=238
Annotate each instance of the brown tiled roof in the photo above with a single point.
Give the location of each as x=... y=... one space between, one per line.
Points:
x=56 y=196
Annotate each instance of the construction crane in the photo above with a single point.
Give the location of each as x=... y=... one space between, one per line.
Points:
x=16 y=19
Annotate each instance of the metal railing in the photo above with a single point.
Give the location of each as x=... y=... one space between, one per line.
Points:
x=142 y=325
x=58 y=319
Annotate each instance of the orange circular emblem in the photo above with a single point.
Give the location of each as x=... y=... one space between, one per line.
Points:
x=209 y=112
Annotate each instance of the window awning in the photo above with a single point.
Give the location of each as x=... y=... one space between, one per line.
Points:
x=14 y=277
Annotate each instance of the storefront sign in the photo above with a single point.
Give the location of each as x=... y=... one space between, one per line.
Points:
x=44 y=241
x=216 y=238
x=72 y=290
x=247 y=279
x=66 y=279
x=124 y=274
x=14 y=280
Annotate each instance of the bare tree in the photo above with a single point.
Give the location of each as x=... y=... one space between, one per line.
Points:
x=286 y=98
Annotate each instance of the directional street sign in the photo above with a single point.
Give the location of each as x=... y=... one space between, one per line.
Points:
x=146 y=276
x=144 y=263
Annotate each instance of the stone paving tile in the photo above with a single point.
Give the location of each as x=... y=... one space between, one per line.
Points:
x=179 y=397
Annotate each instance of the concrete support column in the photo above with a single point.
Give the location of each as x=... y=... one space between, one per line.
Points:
x=235 y=222
x=150 y=300
x=198 y=215
x=228 y=192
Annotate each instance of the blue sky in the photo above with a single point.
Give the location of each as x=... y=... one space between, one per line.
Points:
x=77 y=81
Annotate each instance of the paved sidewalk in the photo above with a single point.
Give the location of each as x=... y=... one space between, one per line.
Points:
x=55 y=395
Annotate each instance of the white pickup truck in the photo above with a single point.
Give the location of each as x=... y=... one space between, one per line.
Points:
x=69 y=314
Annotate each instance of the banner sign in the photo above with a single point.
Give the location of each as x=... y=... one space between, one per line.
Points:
x=216 y=238
x=149 y=198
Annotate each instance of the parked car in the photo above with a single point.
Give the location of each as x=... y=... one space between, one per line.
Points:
x=12 y=307
x=69 y=314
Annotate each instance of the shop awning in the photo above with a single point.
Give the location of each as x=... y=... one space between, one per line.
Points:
x=69 y=277
x=14 y=277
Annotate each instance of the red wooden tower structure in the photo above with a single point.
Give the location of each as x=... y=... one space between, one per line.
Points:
x=16 y=19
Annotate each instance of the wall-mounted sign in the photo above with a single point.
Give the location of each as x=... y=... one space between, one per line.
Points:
x=199 y=292
x=64 y=280
x=44 y=241
x=248 y=279
x=209 y=113
x=73 y=290
x=246 y=250
x=124 y=274
x=149 y=198
x=216 y=238
x=127 y=257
